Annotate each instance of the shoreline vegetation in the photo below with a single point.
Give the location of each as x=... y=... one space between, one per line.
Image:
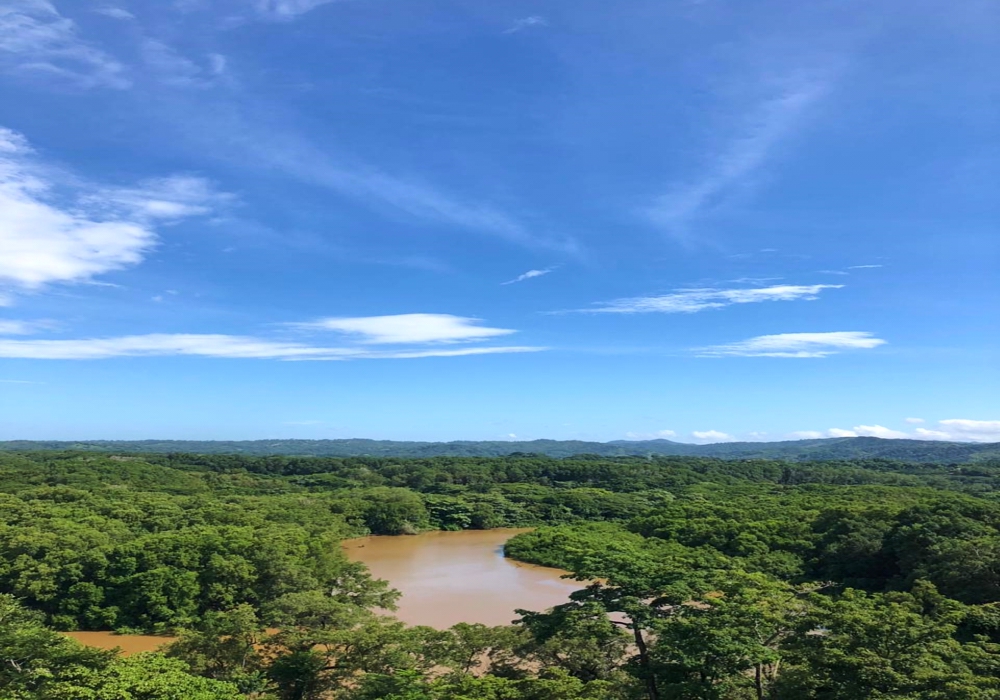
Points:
x=719 y=579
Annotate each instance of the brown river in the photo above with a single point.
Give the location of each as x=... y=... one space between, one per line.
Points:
x=445 y=578
x=451 y=577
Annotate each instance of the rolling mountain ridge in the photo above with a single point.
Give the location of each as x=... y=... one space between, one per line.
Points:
x=796 y=450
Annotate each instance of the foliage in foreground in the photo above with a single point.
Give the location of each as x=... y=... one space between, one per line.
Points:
x=700 y=579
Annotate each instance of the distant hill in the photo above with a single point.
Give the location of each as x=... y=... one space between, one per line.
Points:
x=798 y=450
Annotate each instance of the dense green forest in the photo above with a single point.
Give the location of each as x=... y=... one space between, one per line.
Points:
x=703 y=578
x=797 y=450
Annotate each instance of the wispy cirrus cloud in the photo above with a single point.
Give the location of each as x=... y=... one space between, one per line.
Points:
x=15 y=327
x=797 y=345
x=742 y=155
x=218 y=346
x=686 y=301
x=409 y=328
x=37 y=42
x=423 y=333
x=228 y=134
x=285 y=10
x=519 y=25
x=164 y=198
x=176 y=70
x=114 y=12
x=530 y=274
x=48 y=238
x=400 y=195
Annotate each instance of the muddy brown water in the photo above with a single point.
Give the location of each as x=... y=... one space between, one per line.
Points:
x=451 y=577
x=128 y=643
x=445 y=578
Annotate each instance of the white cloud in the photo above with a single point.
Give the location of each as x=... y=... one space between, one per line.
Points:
x=746 y=152
x=36 y=41
x=526 y=23
x=692 y=300
x=114 y=12
x=806 y=435
x=658 y=435
x=795 y=345
x=925 y=434
x=45 y=238
x=839 y=432
x=863 y=267
x=206 y=345
x=213 y=345
x=9 y=327
x=879 y=431
x=410 y=328
x=953 y=429
x=12 y=144
x=712 y=436
x=460 y=352
x=174 y=197
x=530 y=274
x=286 y=9
x=972 y=430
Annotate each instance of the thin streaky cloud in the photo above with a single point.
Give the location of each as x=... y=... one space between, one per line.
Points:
x=13 y=327
x=685 y=301
x=864 y=267
x=397 y=194
x=114 y=12
x=38 y=43
x=530 y=274
x=795 y=345
x=286 y=10
x=526 y=23
x=217 y=346
x=228 y=134
x=173 y=69
x=462 y=352
x=748 y=150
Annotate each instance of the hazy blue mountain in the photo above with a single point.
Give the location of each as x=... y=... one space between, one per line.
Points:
x=826 y=449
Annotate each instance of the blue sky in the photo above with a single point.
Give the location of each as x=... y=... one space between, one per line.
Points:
x=694 y=219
